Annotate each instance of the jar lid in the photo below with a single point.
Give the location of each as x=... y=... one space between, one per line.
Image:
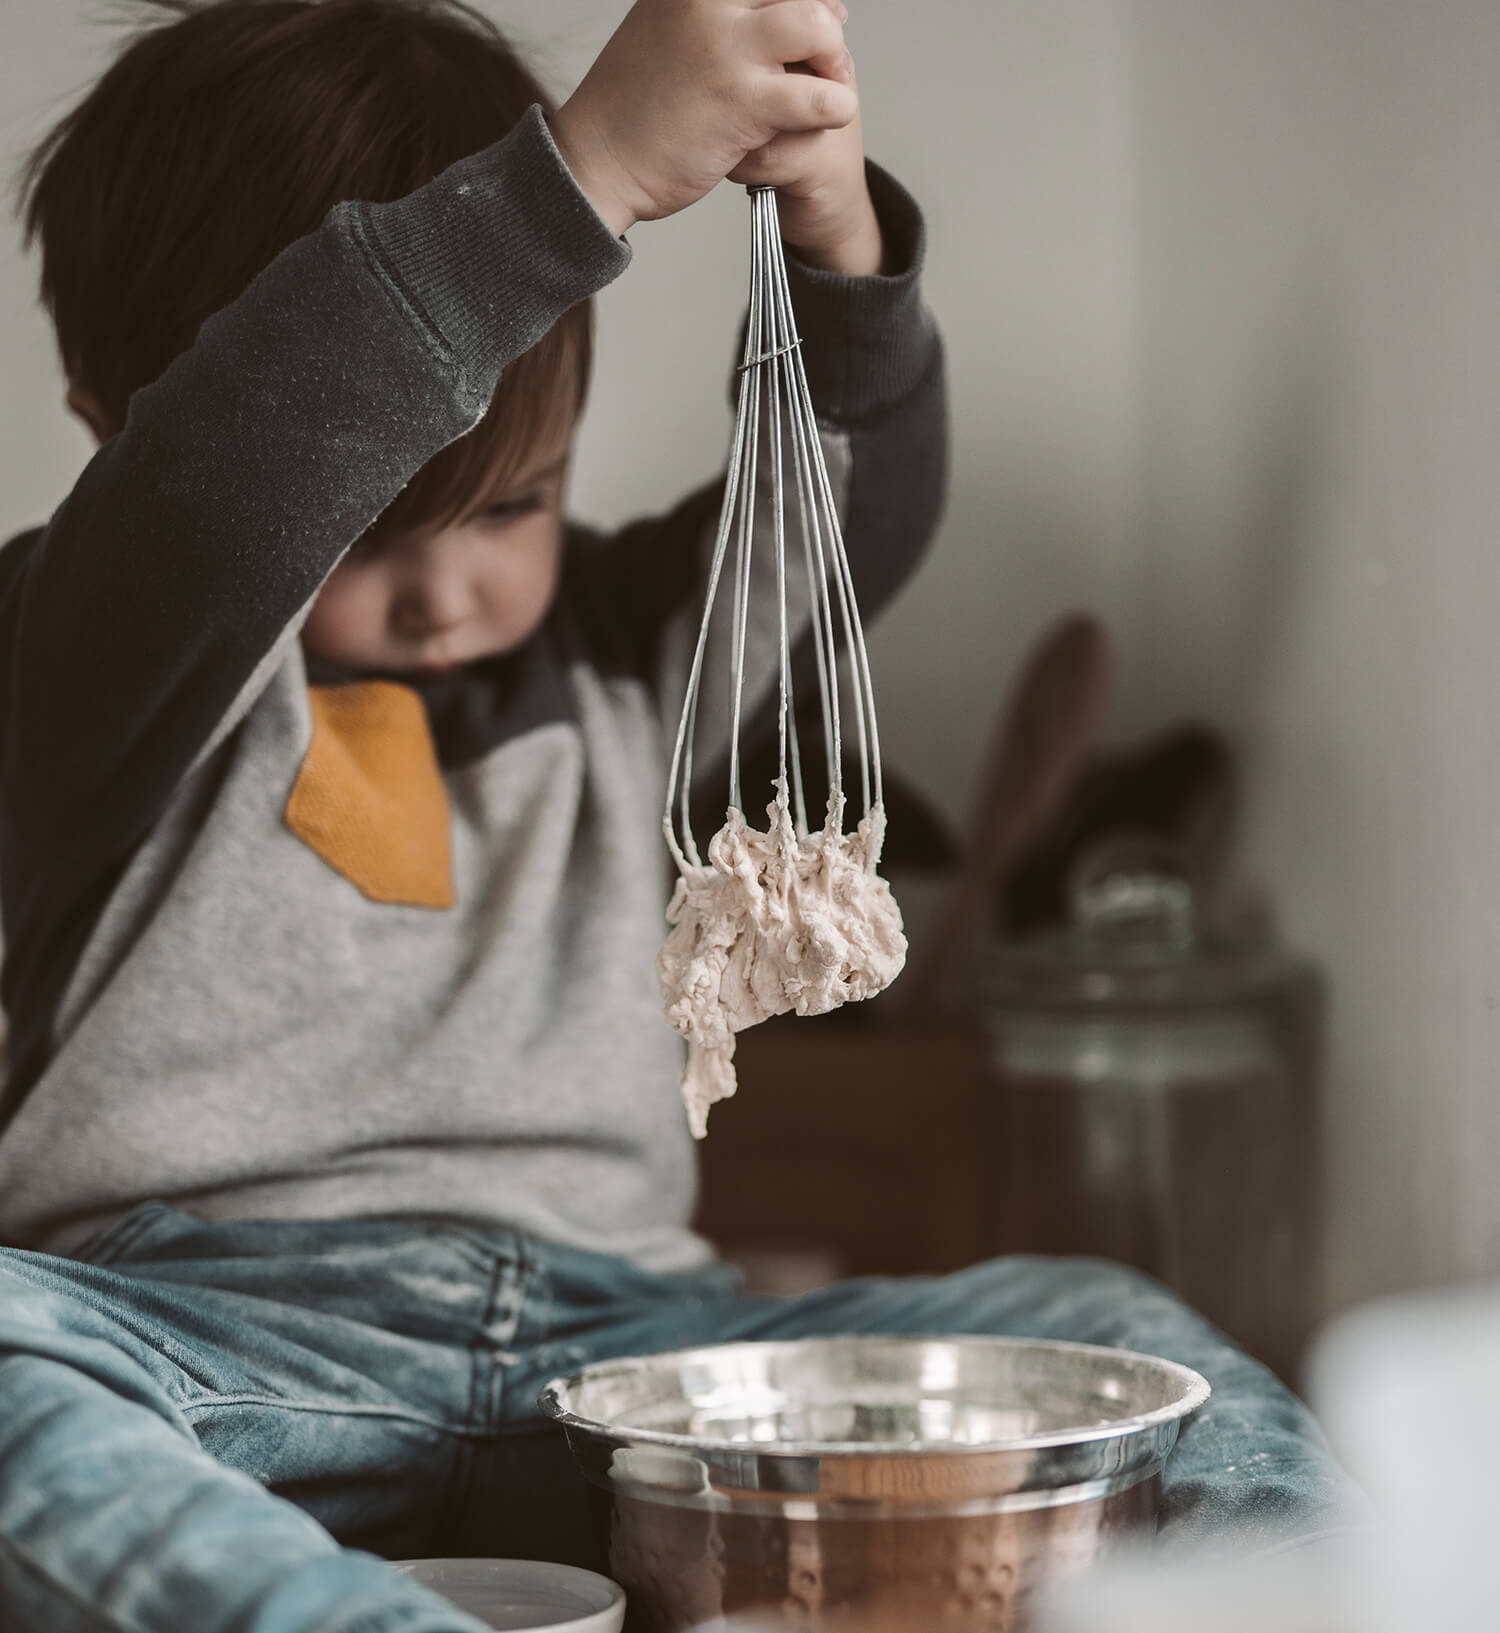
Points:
x=1135 y=939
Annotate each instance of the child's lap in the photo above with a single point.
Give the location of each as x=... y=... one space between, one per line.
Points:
x=362 y=1341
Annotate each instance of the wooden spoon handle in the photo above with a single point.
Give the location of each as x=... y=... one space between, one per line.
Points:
x=1045 y=729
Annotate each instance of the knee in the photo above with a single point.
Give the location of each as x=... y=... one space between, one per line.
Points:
x=1087 y=1300
x=1095 y=1282
x=40 y=1291
x=31 y=1296
x=1087 y=1280
x=50 y=1315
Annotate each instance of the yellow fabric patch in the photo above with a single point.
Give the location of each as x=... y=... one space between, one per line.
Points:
x=369 y=798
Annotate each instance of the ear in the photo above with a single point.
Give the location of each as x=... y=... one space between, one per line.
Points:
x=86 y=406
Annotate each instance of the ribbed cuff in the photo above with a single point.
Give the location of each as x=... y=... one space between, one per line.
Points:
x=867 y=342
x=494 y=250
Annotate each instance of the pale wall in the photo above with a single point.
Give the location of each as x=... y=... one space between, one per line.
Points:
x=1318 y=214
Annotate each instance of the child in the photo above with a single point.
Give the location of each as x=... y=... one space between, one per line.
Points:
x=340 y=1113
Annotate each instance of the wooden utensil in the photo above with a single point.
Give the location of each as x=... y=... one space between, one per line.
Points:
x=1046 y=727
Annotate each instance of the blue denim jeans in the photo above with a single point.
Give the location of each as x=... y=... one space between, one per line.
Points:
x=224 y=1428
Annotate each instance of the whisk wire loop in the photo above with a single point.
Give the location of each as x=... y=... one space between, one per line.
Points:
x=773 y=400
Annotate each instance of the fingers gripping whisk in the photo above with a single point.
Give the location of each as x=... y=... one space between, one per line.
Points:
x=792 y=918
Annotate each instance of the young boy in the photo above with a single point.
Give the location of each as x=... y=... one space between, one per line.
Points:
x=340 y=1113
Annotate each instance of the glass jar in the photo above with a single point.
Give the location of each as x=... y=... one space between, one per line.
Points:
x=1156 y=1099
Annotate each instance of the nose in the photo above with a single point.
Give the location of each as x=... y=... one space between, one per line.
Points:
x=436 y=595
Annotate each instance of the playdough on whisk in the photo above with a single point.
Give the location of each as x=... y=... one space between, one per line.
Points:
x=776 y=921
x=789 y=919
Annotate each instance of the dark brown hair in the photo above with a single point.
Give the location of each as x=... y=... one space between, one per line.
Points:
x=222 y=134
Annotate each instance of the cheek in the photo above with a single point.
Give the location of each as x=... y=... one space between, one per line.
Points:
x=523 y=576
x=350 y=611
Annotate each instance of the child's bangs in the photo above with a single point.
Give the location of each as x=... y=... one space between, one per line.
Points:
x=533 y=413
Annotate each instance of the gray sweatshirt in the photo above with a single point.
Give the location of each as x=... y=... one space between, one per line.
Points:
x=287 y=944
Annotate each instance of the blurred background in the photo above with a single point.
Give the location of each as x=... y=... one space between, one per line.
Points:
x=1219 y=286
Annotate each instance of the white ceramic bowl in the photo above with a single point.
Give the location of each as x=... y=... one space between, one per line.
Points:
x=524 y=1595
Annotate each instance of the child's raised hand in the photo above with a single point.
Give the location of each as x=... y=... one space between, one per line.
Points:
x=686 y=90
x=822 y=199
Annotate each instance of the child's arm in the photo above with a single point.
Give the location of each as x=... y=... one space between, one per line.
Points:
x=138 y=626
x=141 y=622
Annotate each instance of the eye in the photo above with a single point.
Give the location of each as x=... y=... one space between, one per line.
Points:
x=508 y=510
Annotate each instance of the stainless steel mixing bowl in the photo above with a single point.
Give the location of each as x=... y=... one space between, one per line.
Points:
x=926 y=1482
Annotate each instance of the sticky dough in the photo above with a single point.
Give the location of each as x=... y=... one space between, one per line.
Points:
x=773 y=923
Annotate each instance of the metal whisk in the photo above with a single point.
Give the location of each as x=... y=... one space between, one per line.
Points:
x=773 y=394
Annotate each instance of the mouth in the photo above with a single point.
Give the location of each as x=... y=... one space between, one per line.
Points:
x=437 y=657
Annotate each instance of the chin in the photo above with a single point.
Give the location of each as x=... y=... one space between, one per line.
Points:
x=497 y=648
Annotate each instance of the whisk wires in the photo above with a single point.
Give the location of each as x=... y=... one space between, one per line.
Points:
x=773 y=396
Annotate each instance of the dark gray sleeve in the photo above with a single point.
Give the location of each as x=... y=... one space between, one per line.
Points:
x=875 y=370
x=137 y=627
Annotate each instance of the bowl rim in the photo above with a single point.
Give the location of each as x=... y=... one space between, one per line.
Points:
x=538 y=1573
x=1195 y=1391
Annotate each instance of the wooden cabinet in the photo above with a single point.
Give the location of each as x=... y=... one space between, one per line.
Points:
x=867 y=1145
